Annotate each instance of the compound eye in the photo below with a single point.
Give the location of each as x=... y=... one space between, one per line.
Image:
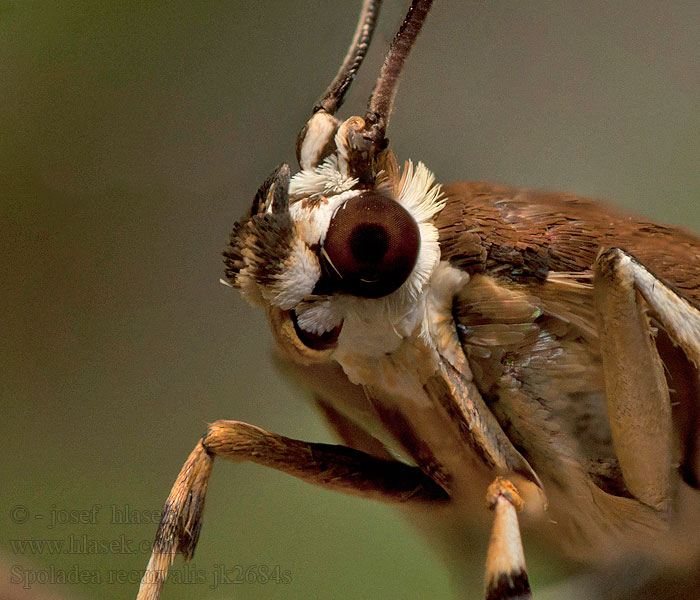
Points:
x=371 y=246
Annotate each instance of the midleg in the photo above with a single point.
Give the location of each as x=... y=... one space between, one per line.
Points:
x=506 y=575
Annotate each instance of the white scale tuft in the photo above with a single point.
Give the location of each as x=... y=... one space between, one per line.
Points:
x=324 y=180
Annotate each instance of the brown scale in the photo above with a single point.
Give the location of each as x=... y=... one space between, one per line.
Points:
x=521 y=237
x=540 y=231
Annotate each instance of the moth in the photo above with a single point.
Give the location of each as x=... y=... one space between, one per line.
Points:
x=469 y=344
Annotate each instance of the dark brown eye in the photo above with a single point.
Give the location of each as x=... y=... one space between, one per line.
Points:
x=371 y=246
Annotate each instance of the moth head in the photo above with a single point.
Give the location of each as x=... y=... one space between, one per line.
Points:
x=347 y=227
x=322 y=236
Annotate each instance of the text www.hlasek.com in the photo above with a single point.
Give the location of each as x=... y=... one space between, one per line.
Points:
x=81 y=544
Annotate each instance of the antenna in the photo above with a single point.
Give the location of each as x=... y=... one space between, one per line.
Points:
x=382 y=99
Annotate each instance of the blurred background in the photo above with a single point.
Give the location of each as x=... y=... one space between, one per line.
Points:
x=133 y=135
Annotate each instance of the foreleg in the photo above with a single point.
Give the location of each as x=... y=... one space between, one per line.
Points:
x=329 y=466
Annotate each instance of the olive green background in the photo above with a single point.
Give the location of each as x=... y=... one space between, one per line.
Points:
x=133 y=134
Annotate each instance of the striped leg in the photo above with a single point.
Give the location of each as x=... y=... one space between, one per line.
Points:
x=332 y=467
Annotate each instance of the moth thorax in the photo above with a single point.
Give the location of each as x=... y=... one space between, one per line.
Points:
x=371 y=246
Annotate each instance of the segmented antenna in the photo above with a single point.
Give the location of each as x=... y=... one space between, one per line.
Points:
x=317 y=139
x=333 y=97
x=382 y=99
